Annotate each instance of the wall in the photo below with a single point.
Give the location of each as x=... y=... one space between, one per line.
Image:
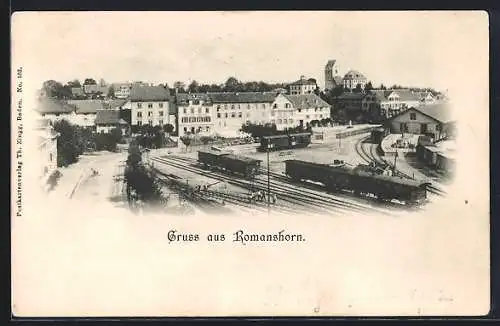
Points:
x=231 y=116
x=157 y=114
x=413 y=126
x=195 y=117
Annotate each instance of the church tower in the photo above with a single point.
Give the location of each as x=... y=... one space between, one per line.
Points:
x=331 y=71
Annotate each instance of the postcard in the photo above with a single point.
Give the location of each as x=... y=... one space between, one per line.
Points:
x=250 y=163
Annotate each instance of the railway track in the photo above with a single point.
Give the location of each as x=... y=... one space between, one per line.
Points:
x=289 y=191
x=241 y=201
x=372 y=157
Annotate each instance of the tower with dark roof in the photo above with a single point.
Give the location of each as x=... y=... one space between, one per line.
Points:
x=332 y=76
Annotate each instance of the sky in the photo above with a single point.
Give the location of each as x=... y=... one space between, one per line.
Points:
x=421 y=49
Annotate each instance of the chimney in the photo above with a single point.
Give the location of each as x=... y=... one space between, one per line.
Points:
x=302 y=77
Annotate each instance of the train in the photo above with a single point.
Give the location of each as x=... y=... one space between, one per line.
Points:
x=362 y=181
x=227 y=162
x=288 y=141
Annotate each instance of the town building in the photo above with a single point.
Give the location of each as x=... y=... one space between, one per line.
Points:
x=85 y=111
x=55 y=110
x=354 y=78
x=121 y=90
x=77 y=92
x=306 y=108
x=388 y=103
x=150 y=105
x=194 y=113
x=95 y=89
x=349 y=104
x=107 y=120
x=47 y=148
x=233 y=109
x=332 y=75
x=303 y=86
x=434 y=121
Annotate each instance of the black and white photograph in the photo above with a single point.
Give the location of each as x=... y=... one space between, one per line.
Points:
x=250 y=163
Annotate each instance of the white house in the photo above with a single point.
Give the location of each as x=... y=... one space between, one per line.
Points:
x=107 y=120
x=308 y=107
x=85 y=111
x=354 y=78
x=150 y=105
x=194 y=112
x=303 y=86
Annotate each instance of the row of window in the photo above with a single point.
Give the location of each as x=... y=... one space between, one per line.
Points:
x=150 y=122
x=150 y=105
x=194 y=130
x=238 y=106
x=195 y=119
x=233 y=115
x=207 y=110
x=150 y=114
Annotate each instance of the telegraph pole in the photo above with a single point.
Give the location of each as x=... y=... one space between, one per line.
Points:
x=395 y=157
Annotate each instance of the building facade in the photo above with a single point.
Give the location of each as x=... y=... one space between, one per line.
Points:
x=122 y=90
x=194 y=113
x=388 y=103
x=107 y=120
x=150 y=105
x=430 y=120
x=308 y=107
x=354 y=78
x=303 y=86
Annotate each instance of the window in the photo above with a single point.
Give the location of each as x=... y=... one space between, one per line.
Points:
x=299 y=110
x=185 y=110
x=139 y=114
x=264 y=105
x=218 y=115
x=150 y=122
x=50 y=157
x=248 y=106
x=438 y=127
x=413 y=116
x=139 y=123
x=218 y=108
x=224 y=122
x=161 y=113
x=160 y=122
x=185 y=129
x=207 y=110
x=279 y=121
x=232 y=107
x=196 y=102
x=275 y=105
x=239 y=115
x=139 y=105
x=208 y=128
x=150 y=105
x=199 y=110
x=192 y=110
x=160 y=105
x=184 y=120
x=150 y=114
x=233 y=115
x=287 y=105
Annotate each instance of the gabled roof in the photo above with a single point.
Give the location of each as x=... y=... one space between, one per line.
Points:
x=87 y=106
x=406 y=95
x=108 y=117
x=140 y=93
x=52 y=105
x=305 y=101
x=243 y=97
x=353 y=74
x=439 y=112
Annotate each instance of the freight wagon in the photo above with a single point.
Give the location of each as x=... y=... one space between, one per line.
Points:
x=280 y=142
x=228 y=162
x=358 y=180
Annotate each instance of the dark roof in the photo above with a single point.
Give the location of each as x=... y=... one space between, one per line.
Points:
x=439 y=112
x=351 y=74
x=183 y=98
x=303 y=81
x=243 y=97
x=113 y=104
x=108 y=117
x=351 y=96
x=87 y=106
x=52 y=105
x=305 y=101
x=140 y=93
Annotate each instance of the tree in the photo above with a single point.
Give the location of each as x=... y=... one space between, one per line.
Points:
x=74 y=83
x=102 y=82
x=368 y=86
x=186 y=140
x=193 y=87
x=382 y=86
x=168 y=128
x=52 y=88
x=357 y=89
x=89 y=81
x=68 y=148
x=232 y=85
x=116 y=134
x=111 y=92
